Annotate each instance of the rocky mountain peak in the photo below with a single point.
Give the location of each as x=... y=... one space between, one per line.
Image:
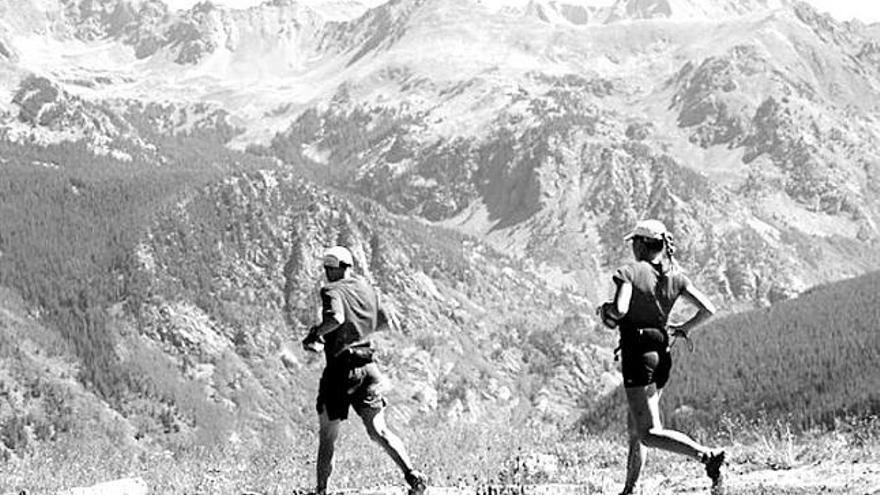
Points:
x=561 y=12
x=99 y=19
x=688 y=9
x=48 y=113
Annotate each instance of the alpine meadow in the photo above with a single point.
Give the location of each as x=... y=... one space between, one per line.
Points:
x=170 y=179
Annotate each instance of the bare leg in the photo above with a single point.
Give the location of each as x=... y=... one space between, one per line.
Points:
x=329 y=431
x=374 y=421
x=636 y=458
x=644 y=405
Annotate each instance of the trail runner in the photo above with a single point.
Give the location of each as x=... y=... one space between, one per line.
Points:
x=646 y=290
x=350 y=313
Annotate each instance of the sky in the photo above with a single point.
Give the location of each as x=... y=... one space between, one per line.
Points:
x=867 y=11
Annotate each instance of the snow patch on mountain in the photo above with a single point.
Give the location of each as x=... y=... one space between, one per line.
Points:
x=688 y=9
x=587 y=12
x=561 y=12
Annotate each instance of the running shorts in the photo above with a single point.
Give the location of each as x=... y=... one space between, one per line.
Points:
x=644 y=367
x=342 y=387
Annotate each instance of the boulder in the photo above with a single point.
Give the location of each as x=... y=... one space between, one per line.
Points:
x=126 y=486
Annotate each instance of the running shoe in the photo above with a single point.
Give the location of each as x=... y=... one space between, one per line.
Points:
x=714 y=461
x=417 y=481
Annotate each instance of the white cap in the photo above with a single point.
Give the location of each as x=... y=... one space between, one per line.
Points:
x=337 y=255
x=650 y=229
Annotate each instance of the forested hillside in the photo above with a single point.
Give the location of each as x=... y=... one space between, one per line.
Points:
x=69 y=224
x=808 y=362
x=41 y=399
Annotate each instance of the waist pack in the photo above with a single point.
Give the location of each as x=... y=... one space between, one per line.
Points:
x=355 y=357
x=645 y=339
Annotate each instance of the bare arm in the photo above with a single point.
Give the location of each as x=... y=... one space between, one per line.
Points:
x=612 y=311
x=705 y=309
x=328 y=324
x=622 y=298
x=332 y=317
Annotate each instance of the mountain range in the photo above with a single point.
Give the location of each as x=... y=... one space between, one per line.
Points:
x=748 y=125
x=482 y=159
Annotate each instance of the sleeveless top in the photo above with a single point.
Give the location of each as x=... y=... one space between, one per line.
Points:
x=655 y=289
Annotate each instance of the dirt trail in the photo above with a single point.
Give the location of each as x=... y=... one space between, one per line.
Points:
x=850 y=478
x=821 y=478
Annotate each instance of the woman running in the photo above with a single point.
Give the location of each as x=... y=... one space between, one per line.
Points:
x=646 y=290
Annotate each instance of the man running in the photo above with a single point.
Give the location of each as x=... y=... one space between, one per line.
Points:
x=350 y=313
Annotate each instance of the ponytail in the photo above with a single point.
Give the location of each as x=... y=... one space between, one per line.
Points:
x=669 y=243
x=669 y=248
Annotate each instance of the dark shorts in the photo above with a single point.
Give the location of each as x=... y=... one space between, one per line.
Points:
x=641 y=368
x=341 y=387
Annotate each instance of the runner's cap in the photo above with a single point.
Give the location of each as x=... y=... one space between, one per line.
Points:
x=650 y=229
x=337 y=255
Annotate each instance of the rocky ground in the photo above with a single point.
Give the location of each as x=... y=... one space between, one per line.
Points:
x=824 y=477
